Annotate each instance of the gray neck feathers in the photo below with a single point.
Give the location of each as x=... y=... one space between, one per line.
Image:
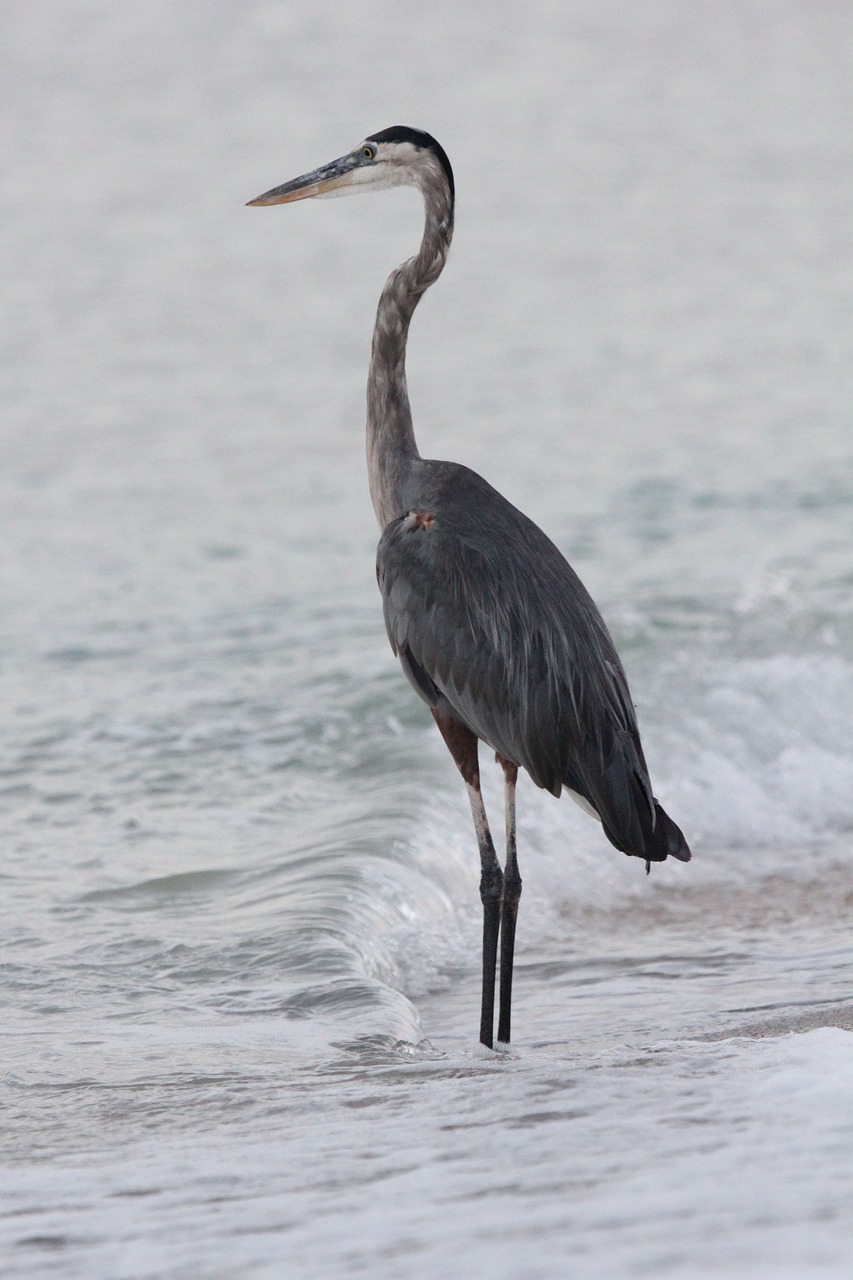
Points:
x=391 y=447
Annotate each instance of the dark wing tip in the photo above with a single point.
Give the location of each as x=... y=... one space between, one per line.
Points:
x=668 y=837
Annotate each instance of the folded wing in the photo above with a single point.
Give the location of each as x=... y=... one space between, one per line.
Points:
x=485 y=613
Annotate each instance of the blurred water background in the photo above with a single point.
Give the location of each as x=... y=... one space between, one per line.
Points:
x=239 y=949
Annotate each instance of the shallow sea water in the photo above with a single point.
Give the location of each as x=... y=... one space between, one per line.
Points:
x=239 y=955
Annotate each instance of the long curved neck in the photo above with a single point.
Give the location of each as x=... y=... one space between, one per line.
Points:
x=391 y=447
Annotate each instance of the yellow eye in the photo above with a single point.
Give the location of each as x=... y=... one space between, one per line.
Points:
x=368 y=153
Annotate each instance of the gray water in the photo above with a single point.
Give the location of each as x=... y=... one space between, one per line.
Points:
x=239 y=886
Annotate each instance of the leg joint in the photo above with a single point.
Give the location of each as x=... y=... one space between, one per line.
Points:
x=491 y=883
x=512 y=885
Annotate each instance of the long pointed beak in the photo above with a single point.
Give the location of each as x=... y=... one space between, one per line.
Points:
x=319 y=182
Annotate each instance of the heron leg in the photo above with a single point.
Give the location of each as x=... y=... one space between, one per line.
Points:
x=462 y=744
x=491 y=896
x=509 y=904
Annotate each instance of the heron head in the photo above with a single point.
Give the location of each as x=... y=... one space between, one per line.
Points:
x=394 y=157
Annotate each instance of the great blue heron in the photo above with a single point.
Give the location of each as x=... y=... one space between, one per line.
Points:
x=492 y=626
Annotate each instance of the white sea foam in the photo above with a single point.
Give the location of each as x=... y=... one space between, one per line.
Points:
x=772 y=758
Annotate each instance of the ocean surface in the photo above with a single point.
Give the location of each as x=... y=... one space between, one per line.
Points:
x=239 y=949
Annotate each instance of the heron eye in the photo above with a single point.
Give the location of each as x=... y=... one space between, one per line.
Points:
x=368 y=153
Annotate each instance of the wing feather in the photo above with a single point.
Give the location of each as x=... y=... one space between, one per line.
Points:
x=484 y=611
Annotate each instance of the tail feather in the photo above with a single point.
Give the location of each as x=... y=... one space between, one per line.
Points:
x=620 y=793
x=667 y=840
x=640 y=827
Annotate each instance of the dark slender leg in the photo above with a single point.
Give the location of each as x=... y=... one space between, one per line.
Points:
x=491 y=895
x=462 y=744
x=509 y=906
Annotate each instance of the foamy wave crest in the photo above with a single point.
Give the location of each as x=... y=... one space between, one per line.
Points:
x=753 y=757
x=764 y=752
